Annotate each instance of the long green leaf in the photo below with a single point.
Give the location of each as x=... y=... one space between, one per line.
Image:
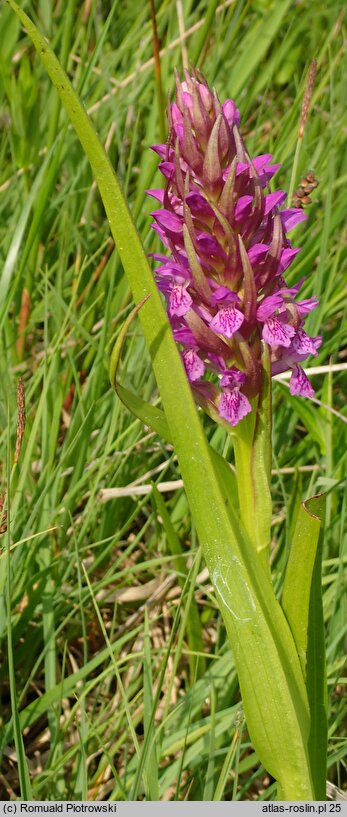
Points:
x=269 y=670
x=302 y=604
x=316 y=682
x=298 y=578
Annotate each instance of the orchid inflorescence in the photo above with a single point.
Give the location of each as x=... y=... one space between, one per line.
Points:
x=227 y=235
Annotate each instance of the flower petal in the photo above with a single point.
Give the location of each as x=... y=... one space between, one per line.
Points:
x=264 y=169
x=233 y=406
x=307 y=305
x=198 y=204
x=184 y=335
x=277 y=333
x=222 y=293
x=231 y=112
x=300 y=384
x=305 y=345
x=208 y=245
x=232 y=377
x=193 y=364
x=161 y=150
x=257 y=253
x=274 y=200
x=268 y=306
x=290 y=218
x=227 y=321
x=287 y=256
x=180 y=301
x=243 y=208
x=162 y=235
x=157 y=194
x=167 y=169
x=168 y=221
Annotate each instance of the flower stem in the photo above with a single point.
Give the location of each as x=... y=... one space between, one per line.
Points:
x=253 y=455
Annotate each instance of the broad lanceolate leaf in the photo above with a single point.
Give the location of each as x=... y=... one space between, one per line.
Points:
x=302 y=604
x=298 y=578
x=269 y=670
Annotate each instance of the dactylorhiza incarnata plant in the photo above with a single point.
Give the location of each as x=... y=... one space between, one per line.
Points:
x=237 y=324
x=229 y=249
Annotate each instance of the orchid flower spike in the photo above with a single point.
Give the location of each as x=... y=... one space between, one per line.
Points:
x=228 y=251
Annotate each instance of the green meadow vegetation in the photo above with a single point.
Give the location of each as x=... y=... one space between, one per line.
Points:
x=117 y=680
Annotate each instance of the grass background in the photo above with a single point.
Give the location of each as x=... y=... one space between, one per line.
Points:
x=114 y=660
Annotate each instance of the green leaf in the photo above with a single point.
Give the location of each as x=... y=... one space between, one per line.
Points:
x=298 y=578
x=316 y=682
x=302 y=604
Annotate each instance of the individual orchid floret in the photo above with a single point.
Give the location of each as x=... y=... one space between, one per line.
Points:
x=227 y=238
x=194 y=366
x=233 y=406
x=299 y=383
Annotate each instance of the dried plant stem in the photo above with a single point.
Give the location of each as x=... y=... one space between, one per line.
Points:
x=180 y=18
x=20 y=420
x=303 y=120
x=157 y=72
x=23 y=323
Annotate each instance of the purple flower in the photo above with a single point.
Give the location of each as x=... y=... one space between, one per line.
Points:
x=233 y=405
x=277 y=333
x=227 y=238
x=299 y=383
x=227 y=321
x=180 y=301
x=194 y=366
